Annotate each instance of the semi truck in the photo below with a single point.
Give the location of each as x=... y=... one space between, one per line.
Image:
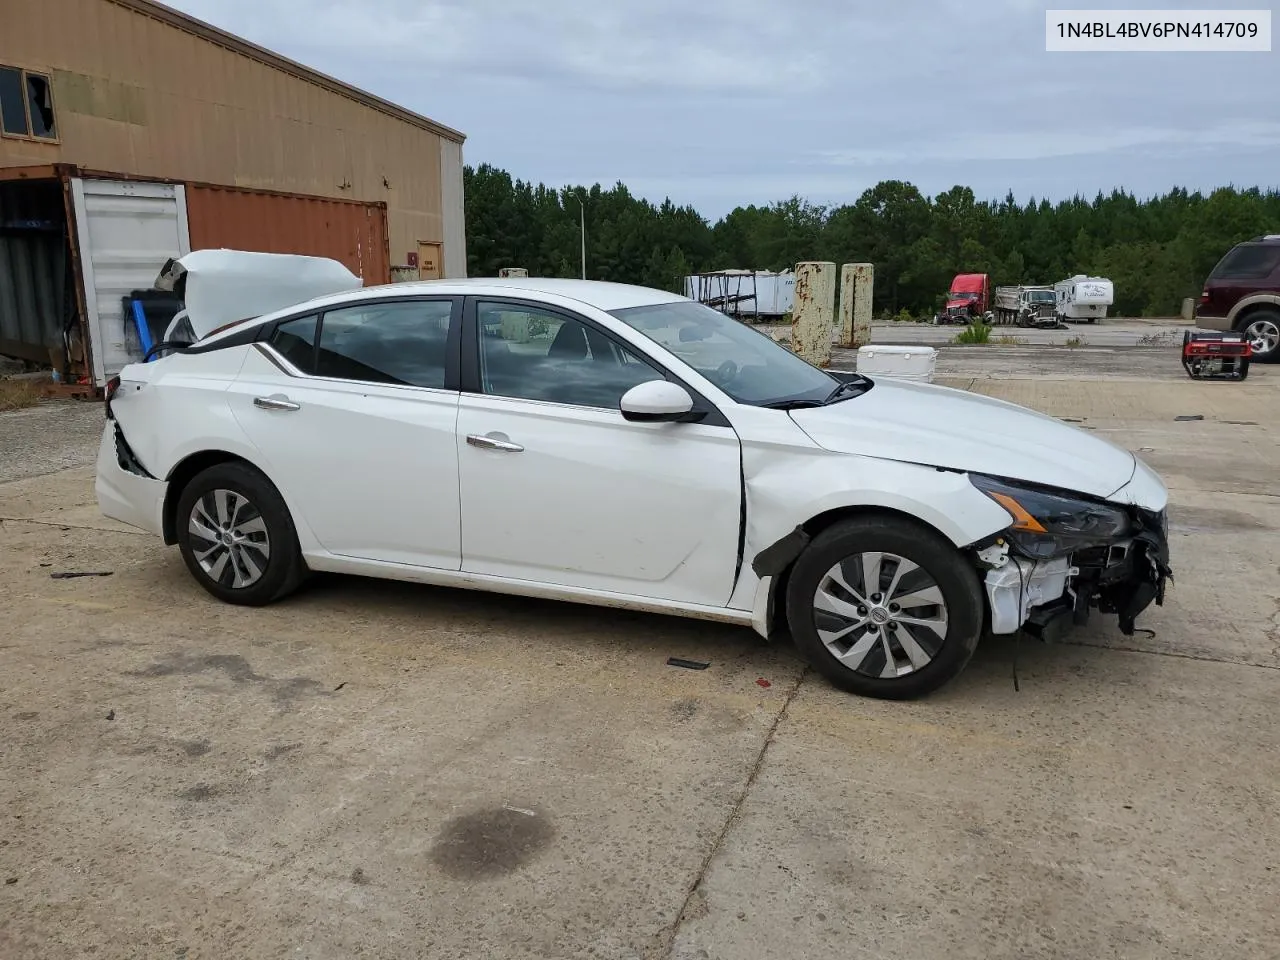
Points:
x=1026 y=306
x=968 y=300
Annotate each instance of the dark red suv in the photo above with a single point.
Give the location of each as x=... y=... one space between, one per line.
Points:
x=1243 y=293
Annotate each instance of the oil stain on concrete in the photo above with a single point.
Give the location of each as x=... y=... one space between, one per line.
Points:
x=236 y=669
x=492 y=842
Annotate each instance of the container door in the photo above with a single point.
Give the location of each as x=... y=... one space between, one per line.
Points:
x=127 y=231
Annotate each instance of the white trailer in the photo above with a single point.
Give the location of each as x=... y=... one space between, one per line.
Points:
x=1084 y=298
x=745 y=294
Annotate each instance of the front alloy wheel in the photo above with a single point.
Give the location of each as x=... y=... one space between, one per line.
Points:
x=880 y=614
x=885 y=606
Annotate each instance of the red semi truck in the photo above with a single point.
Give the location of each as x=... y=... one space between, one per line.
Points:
x=968 y=300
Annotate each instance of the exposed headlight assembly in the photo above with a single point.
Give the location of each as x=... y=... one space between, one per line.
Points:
x=1049 y=525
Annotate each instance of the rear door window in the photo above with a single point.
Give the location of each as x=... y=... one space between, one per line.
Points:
x=1249 y=262
x=296 y=342
x=404 y=342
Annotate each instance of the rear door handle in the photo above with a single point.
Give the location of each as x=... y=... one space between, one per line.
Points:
x=499 y=442
x=276 y=402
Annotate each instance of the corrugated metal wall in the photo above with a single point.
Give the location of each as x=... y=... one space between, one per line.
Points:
x=350 y=232
x=135 y=94
x=33 y=269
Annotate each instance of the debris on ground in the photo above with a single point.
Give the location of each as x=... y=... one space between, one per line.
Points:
x=1190 y=416
x=688 y=664
x=762 y=682
x=111 y=714
x=72 y=574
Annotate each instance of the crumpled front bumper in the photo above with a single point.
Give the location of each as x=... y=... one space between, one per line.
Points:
x=1122 y=578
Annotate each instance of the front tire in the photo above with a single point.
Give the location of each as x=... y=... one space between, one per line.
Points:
x=885 y=607
x=237 y=537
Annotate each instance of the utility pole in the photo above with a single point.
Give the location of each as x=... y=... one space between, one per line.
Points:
x=582 y=209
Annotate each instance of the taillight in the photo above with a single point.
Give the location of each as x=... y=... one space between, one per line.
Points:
x=110 y=391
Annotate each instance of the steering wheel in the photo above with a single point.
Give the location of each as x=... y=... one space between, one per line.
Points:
x=725 y=373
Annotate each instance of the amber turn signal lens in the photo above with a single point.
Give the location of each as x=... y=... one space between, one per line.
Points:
x=1021 y=519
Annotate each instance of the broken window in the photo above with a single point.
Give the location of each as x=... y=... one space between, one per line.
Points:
x=40 y=106
x=26 y=104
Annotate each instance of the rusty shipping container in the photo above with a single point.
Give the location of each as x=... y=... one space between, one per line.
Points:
x=352 y=232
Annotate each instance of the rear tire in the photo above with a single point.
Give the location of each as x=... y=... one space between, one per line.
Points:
x=237 y=537
x=906 y=634
x=1262 y=327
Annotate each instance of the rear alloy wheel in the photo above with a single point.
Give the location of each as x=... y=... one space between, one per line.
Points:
x=1262 y=328
x=885 y=607
x=237 y=537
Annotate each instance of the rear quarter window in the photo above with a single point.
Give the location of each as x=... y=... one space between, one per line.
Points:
x=1248 y=262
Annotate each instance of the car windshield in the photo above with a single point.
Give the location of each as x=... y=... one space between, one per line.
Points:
x=746 y=364
x=962 y=295
x=1041 y=296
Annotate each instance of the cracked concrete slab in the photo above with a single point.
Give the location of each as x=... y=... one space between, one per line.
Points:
x=390 y=770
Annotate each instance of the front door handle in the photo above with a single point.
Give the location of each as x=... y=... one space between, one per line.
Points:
x=491 y=442
x=277 y=402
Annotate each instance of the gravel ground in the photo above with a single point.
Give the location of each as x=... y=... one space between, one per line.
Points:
x=53 y=435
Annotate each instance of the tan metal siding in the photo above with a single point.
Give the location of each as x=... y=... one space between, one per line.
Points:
x=353 y=233
x=144 y=97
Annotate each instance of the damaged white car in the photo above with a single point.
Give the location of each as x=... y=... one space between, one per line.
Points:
x=627 y=447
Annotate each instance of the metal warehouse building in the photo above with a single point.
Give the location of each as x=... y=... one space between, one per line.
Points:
x=131 y=133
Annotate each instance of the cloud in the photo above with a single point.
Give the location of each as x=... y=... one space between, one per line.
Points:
x=727 y=102
x=1075 y=137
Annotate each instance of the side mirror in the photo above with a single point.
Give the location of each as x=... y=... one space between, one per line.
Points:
x=656 y=401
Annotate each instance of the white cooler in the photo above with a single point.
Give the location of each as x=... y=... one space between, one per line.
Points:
x=905 y=363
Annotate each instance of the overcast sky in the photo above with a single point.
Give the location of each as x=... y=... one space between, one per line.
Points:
x=719 y=103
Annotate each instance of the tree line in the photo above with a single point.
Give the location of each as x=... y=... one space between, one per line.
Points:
x=1157 y=251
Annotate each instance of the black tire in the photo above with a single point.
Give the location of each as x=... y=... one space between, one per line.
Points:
x=939 y=562
x=283 y=569
x=1255 y=316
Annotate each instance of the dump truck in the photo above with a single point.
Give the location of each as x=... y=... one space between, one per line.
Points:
x=1026 y=306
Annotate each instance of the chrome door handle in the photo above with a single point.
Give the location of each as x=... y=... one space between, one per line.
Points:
x=275 y=403
x=493 y=443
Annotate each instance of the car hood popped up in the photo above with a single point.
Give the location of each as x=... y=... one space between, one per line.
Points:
x=941 y=427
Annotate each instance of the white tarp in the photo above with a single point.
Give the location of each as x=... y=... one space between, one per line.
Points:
x=218 y=287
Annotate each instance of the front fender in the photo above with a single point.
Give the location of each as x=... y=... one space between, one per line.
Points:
x=786 y=491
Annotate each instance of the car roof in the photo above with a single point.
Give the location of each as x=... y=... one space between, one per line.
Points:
x=600 y=294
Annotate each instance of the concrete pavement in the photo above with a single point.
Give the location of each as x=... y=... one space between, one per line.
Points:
x=386 y=770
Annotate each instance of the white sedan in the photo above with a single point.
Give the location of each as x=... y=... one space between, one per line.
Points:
x=627 y=447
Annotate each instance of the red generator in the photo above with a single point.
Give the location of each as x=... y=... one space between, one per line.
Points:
x=1215 y=356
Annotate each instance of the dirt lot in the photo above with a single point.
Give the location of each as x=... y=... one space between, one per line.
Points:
x=383 y=770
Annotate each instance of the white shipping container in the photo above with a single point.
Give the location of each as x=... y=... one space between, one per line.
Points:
x=127 y=230
x=903 y=363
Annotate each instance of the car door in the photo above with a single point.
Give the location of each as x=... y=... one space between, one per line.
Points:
x=557 y=487
x=354 y=413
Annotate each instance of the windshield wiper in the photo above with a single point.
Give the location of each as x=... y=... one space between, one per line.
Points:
x=791 y=404
x=849 y=388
